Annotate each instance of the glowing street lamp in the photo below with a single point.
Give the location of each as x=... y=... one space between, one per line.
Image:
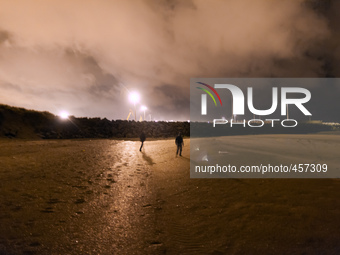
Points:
x=134 y=98
x=144 y=108
x=64 y=115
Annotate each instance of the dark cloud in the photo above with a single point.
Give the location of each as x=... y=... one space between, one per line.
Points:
x=102 y=83
x=9 y=87
x=4 y=36
x=175 y=100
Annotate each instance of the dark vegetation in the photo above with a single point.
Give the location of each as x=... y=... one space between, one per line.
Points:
x=21 y=123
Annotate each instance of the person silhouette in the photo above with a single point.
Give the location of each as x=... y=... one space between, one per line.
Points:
x=142 y=139
x=179 y=142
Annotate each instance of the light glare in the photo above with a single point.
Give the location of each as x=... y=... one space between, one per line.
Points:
x=134 y=97
x=64 y=115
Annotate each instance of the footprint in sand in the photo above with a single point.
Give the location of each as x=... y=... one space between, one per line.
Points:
x=48 y=210
x=17 y=208
x=35 y=244
x=111 y=180
x=156 y=243
x=80 y=201
x=80 y=186
x=53 y=201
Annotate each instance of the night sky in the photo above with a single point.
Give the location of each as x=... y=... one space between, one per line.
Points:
x=84 y=56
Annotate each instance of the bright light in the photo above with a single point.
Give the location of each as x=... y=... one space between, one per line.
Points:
x=134 y=97
x=143 y=108
x=64 y=115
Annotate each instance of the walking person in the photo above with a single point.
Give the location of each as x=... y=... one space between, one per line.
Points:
x=142 y=139
x=179 y=142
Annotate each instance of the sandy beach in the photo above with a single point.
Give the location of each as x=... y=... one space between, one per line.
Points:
x=106 y=197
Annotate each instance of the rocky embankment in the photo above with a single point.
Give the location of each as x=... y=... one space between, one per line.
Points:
x=22 y=123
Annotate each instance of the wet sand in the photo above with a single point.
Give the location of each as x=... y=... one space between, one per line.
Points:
x=106 y=197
